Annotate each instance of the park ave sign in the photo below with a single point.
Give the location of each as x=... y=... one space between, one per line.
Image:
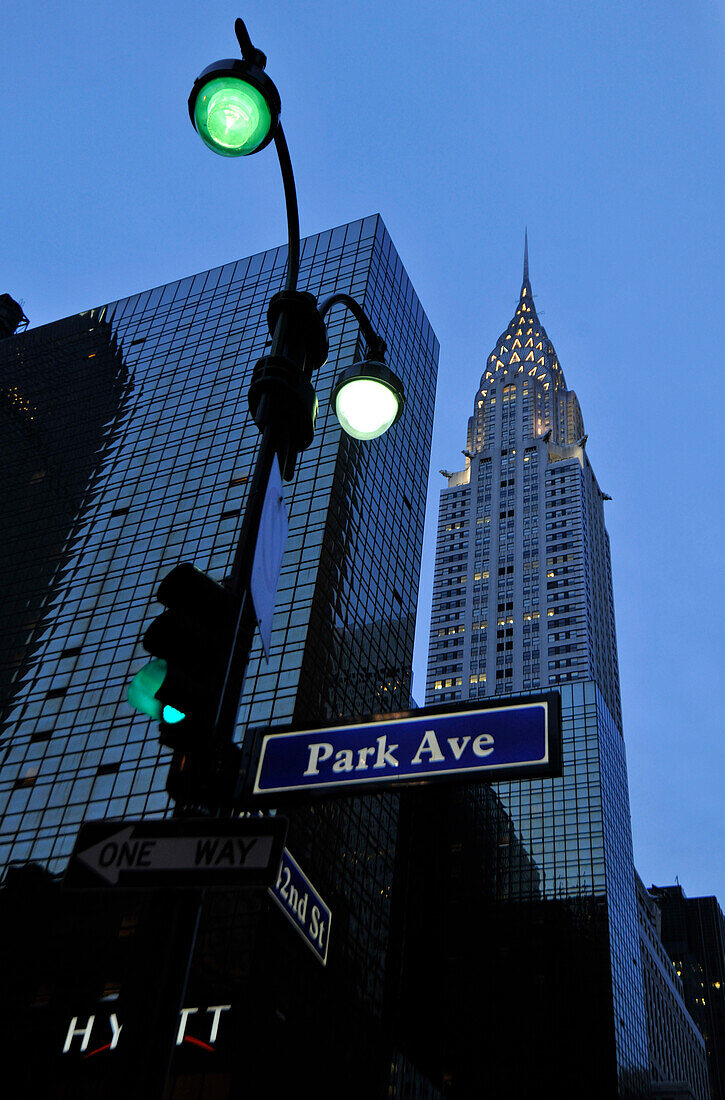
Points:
x=515 y=739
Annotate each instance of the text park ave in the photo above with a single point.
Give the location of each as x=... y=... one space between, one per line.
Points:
x=382 y=755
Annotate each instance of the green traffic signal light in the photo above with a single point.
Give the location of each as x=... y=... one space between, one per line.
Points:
x=142 y=693
x=190 y=643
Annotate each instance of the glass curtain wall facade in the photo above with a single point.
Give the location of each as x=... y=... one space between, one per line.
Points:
x=129 y=448
x=540 y=921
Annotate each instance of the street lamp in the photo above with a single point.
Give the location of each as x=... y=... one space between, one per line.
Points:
x=235 y=108
x=367 y=397
x=366 y=400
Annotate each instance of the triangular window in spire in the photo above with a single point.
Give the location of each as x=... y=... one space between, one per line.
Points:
x=516 y=343
x=533 y=370
x=529 y=343
x=540 y=361
x=539 y=346
x=515 y=358
x=499 y=365
x=530 y=357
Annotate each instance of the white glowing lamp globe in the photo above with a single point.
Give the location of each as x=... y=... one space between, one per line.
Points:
x=368 y=399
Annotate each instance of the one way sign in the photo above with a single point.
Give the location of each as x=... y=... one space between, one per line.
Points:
x=177 y=852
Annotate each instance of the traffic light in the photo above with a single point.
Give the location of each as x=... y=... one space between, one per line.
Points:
x=205 y=775
x=191 y=643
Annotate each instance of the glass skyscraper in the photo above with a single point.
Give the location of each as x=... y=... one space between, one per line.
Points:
x=540 y=917
x=127 y=448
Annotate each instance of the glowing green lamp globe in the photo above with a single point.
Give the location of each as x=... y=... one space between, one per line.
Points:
x=234 y=107
x=368 y=399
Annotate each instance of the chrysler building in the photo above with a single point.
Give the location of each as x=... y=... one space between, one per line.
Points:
x=522 y=594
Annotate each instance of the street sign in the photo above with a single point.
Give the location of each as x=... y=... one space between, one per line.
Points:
x=302 y=905
x=515 y=739
x=268 y=555
x=177 y=852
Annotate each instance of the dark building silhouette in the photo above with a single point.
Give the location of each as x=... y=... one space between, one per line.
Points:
x=693 y=933
x=678 y=1060
x=62 y=396
x=11 y=316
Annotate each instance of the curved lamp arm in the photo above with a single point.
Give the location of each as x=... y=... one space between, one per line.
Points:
x=376 y=344
x=367 y=397
x=256 y=57
x=293 y=219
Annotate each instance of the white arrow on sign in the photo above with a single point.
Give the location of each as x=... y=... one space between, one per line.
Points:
x=122 y=851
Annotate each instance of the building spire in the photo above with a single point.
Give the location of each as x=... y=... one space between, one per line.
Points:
x=526 y=291
x=523 y=346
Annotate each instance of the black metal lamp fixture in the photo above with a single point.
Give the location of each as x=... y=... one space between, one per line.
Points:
x=234 y=106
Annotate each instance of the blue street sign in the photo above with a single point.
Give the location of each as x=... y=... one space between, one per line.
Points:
x=302 y=905
x=517 y=739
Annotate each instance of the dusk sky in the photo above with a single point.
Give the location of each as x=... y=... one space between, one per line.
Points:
x=599 y=126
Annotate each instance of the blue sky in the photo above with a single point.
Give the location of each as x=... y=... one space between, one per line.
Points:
x=597 y=125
